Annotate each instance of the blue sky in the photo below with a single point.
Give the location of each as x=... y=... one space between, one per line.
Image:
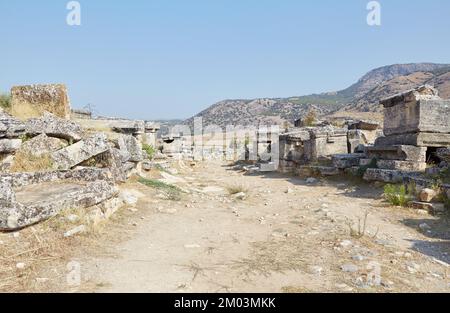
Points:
x=172 y=58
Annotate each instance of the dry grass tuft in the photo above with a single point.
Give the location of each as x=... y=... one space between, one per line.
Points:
x=234 y=190
x=26 y=162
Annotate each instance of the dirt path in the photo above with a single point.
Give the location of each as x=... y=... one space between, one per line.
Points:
x=285 y=236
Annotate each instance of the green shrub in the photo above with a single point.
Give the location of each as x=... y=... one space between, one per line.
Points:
x=5 y=101
x=397 y=195
x=150 y=150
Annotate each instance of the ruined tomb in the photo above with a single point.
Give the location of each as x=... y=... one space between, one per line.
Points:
x=311 y=145
x=416 y=125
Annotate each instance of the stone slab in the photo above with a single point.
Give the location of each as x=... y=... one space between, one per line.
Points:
x=383 y=175
x=41 y=202
x=405 y=166
x=399 y=152
x=73 y=155
x=416 y=139
x=343 y=161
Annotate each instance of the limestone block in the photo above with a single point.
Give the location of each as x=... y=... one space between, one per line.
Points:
x=343 y=161
x=399 y=152
x=42 y=144
x=33 y=100
x=54 y=126
x=9 y=145
x=383 y=175
x=73 y=155
x=437 y=140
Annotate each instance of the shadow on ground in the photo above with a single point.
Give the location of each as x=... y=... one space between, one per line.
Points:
x=437 y=229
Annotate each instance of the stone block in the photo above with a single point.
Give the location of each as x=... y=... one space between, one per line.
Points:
x=443 y=154
x=33 y=100
x=73 y=155
x=404 y=166
x=343 y=161
x=399 y=152
x=54 y=126
x=42 y=144
x=365 y=125
x=383 y=175
x=10 y=127
x=131 y=146
x=437 y=140
x=432 y=208
x=414 y=117
x=9 y=145
x=40 y=202
x=427 y=195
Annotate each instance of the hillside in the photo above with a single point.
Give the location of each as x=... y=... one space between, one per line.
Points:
x=359 y=100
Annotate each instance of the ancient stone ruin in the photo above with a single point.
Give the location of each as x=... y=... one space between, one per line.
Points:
x=50 y=163
x=416 y=126
x=33 y=100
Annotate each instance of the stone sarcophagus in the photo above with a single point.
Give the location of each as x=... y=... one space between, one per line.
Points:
x=417 y=117
x=311 y=144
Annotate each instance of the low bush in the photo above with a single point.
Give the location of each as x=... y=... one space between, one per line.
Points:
x=397 y=195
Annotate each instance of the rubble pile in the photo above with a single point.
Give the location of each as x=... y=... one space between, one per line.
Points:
x=69 y=166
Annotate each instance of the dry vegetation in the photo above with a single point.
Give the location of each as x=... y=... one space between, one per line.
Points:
x=26 y=162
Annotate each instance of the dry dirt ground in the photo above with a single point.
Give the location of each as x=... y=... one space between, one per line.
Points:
x=284 y=236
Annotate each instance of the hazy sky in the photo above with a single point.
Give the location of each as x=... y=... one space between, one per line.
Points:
x=173 y=58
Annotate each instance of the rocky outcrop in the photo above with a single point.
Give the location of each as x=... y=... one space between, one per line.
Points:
x=75 y=154
x=54 y=126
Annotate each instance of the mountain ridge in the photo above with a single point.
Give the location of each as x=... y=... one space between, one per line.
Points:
x=359 y=98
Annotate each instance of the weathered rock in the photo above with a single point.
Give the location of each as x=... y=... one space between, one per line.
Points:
x=7 y=194
x=444 y=154
x=437 y=140
x=54 y=126
x=415 y=111
x=343 y=161
x=399 y=152
x=10 y=127
x=128 y=127
x=73 y=155
x=9 y=145
x=405 y=166
x=6 y=162
x=33 y=101
x=427 y=195
x=42 y=144
x=365 y=125
x=90 y=174
x=114 y=160
x=77 y=230
x=48 y=200
x=387 y=176
x=132 y=147
x=432 y=208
